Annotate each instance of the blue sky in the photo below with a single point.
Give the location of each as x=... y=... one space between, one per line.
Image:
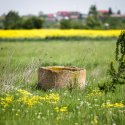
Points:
x=51 y=6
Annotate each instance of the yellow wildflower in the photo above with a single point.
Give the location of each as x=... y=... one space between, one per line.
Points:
x=94 y=93
x=62 y=109
x=30 y=100
x=94 y=121
x=115 y=105
x=119 y=105
x=23 y=92
x=17 y=114
x=6 y=101
x=43 y=33
x=57 y=109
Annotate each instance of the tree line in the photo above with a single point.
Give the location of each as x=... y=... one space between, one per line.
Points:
x=12 y=20
x=94 y=20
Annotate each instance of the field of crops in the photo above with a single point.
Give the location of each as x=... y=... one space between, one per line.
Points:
x=46 y=33
x=20 y=101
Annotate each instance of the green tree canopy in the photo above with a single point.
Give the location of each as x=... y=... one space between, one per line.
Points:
x=110 y=11
x=93 y=21
x=32 y=23
x=12 y=20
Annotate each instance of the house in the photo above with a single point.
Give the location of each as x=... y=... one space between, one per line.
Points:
x=75 y=15
x=103 y=12
x=62 y=15
x=51 y=17
x=69 y=15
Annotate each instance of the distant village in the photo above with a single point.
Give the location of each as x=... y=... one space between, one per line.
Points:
x=53 y=20
x=60 y=15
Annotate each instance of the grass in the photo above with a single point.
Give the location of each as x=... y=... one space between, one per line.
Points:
x=19 y=62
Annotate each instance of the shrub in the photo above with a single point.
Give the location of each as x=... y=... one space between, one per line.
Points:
x=71 y=24
x=117 y=74
x=32 y=23
x=65 y=24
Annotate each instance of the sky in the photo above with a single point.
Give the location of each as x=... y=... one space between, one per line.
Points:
x=25 y=7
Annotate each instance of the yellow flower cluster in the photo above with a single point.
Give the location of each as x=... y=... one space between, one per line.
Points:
x=6 y=101
x=23 y=92
x=94 y=121
x=62 y=109
x=52 y=98
x=32 y=100
x=44 y=33
x=94 y=93
x=28 y=99
x=115 y=105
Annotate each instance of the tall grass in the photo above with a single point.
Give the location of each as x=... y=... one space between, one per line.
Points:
x=19 y=62
x=22 y=59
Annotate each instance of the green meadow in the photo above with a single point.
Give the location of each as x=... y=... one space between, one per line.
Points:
x=22 y=103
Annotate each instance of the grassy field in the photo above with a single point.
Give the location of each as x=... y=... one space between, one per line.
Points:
x=21 y=103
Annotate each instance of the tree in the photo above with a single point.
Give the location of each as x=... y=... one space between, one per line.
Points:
x=93 y=21
x=119 y=12
x=32 y=23
x=2 y=21
x=12 y=20
x=93 y=11
x=110 y=12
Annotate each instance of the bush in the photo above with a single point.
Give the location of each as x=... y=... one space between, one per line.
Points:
x=65 y=24
x=93 y=23
x=71 y=24
x=117 y=75
x=32 y=23
x=114 y=22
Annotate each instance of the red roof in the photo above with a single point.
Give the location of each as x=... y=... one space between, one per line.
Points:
x=63 y=13
x=103 y=11
x=50 y=15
